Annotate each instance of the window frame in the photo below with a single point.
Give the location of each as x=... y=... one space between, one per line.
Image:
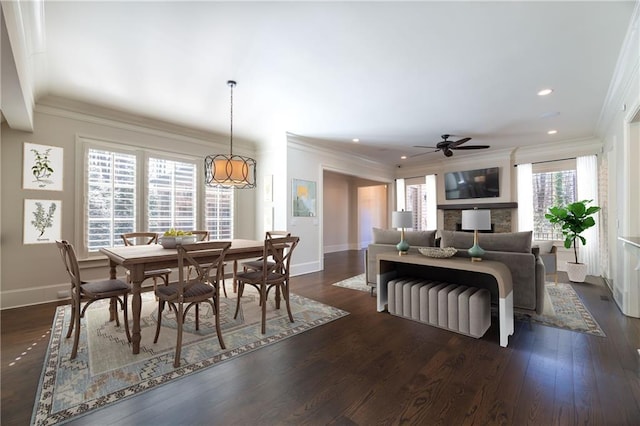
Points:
x=143 y=154
x=552 y=167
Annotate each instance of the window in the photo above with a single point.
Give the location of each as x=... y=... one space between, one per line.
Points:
x=553 y=184
x=111 y=195
x=420 y=198
x=172 y=195
x=416 y=201
x=175 y=196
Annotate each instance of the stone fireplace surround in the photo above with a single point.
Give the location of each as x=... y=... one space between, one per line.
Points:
x=500 y=215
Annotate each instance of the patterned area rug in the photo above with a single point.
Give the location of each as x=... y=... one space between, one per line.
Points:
x=562 y=308
x=105 y=371
x=354 y=283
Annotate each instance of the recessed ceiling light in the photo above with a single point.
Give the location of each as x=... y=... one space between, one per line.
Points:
x=404 y=157
x=356 y=140
x=545 y=92
x=552 y=132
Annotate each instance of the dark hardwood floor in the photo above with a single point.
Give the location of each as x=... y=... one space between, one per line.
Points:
x=373 y=368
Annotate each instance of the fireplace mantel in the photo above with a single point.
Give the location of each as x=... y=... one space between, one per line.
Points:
x=480 y=206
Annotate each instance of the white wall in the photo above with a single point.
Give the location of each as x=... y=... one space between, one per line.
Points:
x=619 y=130
x=307 y=160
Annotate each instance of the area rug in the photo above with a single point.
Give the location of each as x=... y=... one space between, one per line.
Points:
x=562 y=308
x=105 y=371
x=354 y=283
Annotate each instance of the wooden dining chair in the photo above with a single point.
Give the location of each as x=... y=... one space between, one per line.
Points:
x=90 y=291
x=204 y=258
x=256 y=265
x=140 y=238
x=204 y=236
x=276 y=262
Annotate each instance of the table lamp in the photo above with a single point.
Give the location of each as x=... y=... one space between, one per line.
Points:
x=402 y=220
x=476 y=220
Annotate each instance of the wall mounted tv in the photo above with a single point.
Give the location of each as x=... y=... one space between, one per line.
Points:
x=479 y=183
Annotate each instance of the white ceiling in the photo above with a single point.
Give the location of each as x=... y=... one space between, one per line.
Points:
x=392 y=74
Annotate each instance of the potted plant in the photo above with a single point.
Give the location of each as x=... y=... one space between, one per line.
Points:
x=574 y=219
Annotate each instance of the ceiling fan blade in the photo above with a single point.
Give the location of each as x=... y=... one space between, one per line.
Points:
x=459 y=142
x=423 y=153
x=422 y=146
x=471 y=147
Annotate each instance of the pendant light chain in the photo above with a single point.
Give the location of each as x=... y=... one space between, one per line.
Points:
x=231 y=84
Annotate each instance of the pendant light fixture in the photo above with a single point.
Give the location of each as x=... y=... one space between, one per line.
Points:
x=230 y=171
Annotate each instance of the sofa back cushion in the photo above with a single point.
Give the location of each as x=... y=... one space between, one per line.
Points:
x=414 y=238
x=518 y=242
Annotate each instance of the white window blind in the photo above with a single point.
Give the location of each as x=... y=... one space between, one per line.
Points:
x=172 y=196
x=219 y=212
x=111 y=195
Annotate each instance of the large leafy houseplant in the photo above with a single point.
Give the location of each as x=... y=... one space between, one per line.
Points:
x=574 y=219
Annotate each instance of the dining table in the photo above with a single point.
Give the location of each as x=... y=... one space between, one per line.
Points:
x=141 y=258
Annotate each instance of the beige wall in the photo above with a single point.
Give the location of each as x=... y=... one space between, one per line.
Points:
x=34 y=273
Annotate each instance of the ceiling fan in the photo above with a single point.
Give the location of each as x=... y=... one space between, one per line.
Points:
x=446 y=146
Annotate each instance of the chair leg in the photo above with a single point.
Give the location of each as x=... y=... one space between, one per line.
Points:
x=176 y=361
x=197 y=316
x=126 y=317
x=159 y=322
x=285 y=295
x=240 y=290
x=76 y=335
x=216 y=304
x=263 y=299
x=72 y=321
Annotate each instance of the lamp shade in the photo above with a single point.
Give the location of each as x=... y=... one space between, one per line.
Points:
x=402 y=219
x=476 y=219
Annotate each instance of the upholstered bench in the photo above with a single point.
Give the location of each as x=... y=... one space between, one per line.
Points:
x=459 y=308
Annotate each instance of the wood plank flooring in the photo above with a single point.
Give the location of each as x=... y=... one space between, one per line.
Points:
x=373 y=368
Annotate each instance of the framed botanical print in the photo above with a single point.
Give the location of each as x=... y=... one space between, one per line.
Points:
x=42 y=221
x=42 y=167
x=303 y=196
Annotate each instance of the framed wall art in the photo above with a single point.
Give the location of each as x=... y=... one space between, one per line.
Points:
x=42 y=167
x=303 y=196
x=42 y=221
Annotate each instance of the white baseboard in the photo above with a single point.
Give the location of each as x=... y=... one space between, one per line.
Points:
x=305 y=268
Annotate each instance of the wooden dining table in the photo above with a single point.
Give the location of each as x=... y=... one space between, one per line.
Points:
x=138 y=259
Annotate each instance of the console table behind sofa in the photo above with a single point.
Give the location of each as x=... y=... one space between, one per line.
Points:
x=494 y=276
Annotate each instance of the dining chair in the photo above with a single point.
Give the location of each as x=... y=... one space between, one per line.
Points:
x=203 y=257
x=256 y=265
x=90 y=291
x=274 y=273
x=204 y=236
x=141 y=238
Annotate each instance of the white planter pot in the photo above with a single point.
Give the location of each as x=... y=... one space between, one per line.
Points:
x=577 y=272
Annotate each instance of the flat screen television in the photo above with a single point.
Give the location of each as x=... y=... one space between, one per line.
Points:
x=479 y=183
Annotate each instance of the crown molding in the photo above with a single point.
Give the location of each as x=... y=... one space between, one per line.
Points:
x=95 y=114
x=557 y=150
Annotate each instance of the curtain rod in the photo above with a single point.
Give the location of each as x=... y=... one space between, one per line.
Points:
x=548 y=161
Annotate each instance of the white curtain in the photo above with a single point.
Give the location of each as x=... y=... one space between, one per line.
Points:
x=400 y=203
x=525 y=197
x=587 y=189
x=432 y=202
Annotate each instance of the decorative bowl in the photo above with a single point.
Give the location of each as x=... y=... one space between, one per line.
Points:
x=438 y=252
x=172 y=242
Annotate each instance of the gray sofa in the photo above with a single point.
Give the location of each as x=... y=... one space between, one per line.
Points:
x=385 y=240
x=513 y=249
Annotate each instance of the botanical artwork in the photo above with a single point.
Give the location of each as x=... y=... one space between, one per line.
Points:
x=42 y=167
x=42 y=221
x=303 y=195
